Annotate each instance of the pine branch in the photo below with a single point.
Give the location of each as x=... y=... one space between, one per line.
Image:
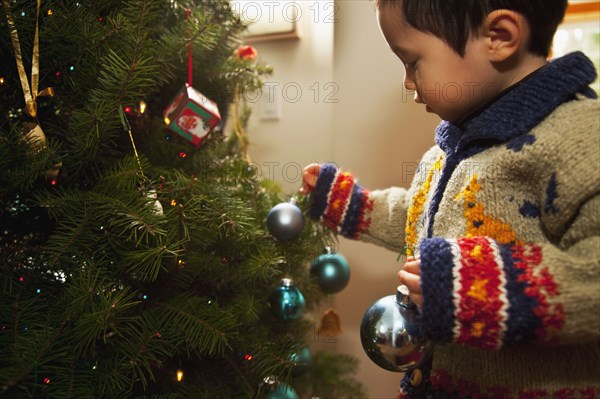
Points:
x=205 y=329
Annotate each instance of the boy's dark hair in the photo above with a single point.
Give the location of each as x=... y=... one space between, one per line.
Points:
x=454 y=21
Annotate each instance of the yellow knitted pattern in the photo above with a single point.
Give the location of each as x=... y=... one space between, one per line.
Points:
x=480 y=224
x=415 y=210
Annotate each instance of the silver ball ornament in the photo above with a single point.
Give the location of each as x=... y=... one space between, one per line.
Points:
x=285 y=221
x=390 y=336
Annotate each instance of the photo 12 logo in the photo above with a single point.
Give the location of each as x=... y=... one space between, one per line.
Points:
x=290 y=12
x=293 y=92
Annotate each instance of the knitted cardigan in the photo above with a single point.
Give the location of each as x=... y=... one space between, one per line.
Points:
x=504 y=213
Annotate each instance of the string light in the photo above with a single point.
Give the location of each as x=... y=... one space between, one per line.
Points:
x=127 y=109
x=181 y=263
x=50 y=12
x=46 y=380
x=1 y=80
x=173 y=202
x=72 y=68
x=248 y=357
x=182 y=154
x=179 y=375
x=142 y=107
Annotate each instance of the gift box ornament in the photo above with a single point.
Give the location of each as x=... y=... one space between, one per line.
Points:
x=191 y=115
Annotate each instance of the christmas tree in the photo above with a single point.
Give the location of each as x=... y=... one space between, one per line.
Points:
x=139 y=261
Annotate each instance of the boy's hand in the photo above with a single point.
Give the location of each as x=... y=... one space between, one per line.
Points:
x=310 y=174
x=410 y=276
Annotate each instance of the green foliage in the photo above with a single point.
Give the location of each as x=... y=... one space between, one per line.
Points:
x=101 y=296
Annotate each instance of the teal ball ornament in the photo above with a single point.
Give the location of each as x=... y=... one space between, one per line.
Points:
x=302 y=361
x=286 y=301
x=331 y=271
x=282 y=391
x=285 y=221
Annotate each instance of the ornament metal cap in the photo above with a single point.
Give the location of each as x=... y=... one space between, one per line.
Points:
x=287 y=282
x=403 y=298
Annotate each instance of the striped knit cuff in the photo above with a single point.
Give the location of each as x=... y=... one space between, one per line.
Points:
x=482 y=294
x=341 y=204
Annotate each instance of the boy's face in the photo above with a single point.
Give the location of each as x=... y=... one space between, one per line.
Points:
x=449 y=85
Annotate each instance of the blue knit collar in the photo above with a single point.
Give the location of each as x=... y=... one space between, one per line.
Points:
x=532 y=100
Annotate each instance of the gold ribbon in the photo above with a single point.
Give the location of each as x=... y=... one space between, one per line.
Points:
x=34 y=131
x=30 y=93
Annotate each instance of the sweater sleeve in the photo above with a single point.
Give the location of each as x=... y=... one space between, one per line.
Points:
x=343 y=205
x=482 y=294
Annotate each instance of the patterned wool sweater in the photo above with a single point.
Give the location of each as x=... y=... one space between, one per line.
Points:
x=504 y=213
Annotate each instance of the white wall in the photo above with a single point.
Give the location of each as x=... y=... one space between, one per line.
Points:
x=301 y=85
x=369 y=126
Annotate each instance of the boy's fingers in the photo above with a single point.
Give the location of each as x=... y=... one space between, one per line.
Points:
x=310 y=174
x=413 y=267
x=411 y=281
x=417 y=299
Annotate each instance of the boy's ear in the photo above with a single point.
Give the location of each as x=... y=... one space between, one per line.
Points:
x=507 y=32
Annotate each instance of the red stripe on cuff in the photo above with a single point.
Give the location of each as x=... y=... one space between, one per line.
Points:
x=339 y=197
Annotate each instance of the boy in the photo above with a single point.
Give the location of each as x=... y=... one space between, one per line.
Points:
x=501 y=224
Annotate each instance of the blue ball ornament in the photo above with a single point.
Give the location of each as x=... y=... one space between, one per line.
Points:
x=302 y=361
x=331 y=271
x=285 y=221
x=283 y=391
x=286 y=301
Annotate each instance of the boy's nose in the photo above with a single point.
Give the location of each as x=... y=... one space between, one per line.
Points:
x=411 y=86
x=416 y=96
